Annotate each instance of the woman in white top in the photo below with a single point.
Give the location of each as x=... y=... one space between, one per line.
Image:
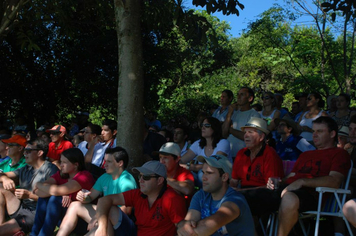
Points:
x=269 y=111
x=315 y=105
x=211 y=143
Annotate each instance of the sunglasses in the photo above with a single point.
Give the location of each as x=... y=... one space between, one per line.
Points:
x=54 y=132
x=13 y=145
x=266 y=97
x=147 y=177
x=29 y=150
x=309 y=98
x=206 y=125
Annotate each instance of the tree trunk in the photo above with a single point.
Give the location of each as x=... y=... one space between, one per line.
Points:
x=130 y=89
x=9 y=11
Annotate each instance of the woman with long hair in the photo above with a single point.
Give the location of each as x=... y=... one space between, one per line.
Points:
x=315 y=104
x=210 y=143
x=57 y=192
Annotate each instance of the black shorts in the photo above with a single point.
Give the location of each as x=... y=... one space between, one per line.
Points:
x=264 y=201
x=25 y=217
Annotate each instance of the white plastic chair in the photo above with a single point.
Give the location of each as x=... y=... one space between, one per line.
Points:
x=333 y=206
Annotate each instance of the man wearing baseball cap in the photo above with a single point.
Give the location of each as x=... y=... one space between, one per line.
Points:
x=157 y=208
x=16 y=145
x=58 y=144
x=179 y=178
x=255 y=163
x=217 y=208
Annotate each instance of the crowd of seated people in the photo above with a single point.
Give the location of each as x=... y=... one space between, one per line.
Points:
x=212 y=176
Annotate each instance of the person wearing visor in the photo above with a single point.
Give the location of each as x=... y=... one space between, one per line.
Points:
x=16 y=145
x=157 y=208
x=58 y=143
x=217 y=209
x=16 y=191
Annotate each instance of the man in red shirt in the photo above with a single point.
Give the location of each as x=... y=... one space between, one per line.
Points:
x=179 y=178
x=325 y=167
x=158 y=209
x=257 y=162
x=58 y=144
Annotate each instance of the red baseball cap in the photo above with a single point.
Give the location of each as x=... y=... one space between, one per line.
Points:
x=19 y=139
x=57 y=128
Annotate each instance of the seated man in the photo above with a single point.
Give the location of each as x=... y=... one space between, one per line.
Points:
x=179 y=178
x=16 y=145
x=20 y=202
x=91 y=135
x=157 y=208
x=180 y=136
x=257 y=162
x=94 y=158
x=325 y=167
x=116 y=180
x=58 y=143
x=291 y=145
x=217 y=209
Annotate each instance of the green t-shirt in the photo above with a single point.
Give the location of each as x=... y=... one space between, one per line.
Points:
x=6 y=166
x=106 y=185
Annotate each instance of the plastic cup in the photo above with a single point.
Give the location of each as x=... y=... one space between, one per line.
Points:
x=276 y=182
x=86 y=192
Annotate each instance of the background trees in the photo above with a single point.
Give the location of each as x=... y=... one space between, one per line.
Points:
x=58 y=57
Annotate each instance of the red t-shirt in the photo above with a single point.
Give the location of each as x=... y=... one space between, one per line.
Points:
x=317 y=163
x=183 y=174
x=161 y=218
x=55 y=153
x=84 y=178
x=266 y=164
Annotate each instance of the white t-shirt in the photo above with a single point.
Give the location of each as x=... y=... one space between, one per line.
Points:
x=222 y=146
x=239 y=119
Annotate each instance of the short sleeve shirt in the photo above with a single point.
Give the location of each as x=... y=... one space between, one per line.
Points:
x=242 y=225
x=84 y=178
x=266 y=164
x=106 y=185
x=6 y=166
x=222 y=146
x=161 y=218
x=55 y=153
x=317 y=163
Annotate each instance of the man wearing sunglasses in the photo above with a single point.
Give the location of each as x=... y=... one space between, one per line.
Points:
x=157 y=208
x=58 y=144
x=217 y=209
x=16 y=193
x=16 y=145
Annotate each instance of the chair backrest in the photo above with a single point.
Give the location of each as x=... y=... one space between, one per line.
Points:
x=330 y=203
x=288 y=166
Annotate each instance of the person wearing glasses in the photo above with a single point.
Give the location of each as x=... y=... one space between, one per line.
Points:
x=238 y=115
x=15 y=149
x=16 y=192
x=217 y=209
x=158 y=209
x=211 y=143
x=269 y=111
x=58 y=144
x=315 y=104
x=257 y=162
x=115 y=180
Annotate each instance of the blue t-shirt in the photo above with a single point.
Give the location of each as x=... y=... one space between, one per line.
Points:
x=106 y=185
x=241 y=226
x=293 y=147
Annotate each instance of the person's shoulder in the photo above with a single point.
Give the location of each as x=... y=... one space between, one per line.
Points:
x=125 y=175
